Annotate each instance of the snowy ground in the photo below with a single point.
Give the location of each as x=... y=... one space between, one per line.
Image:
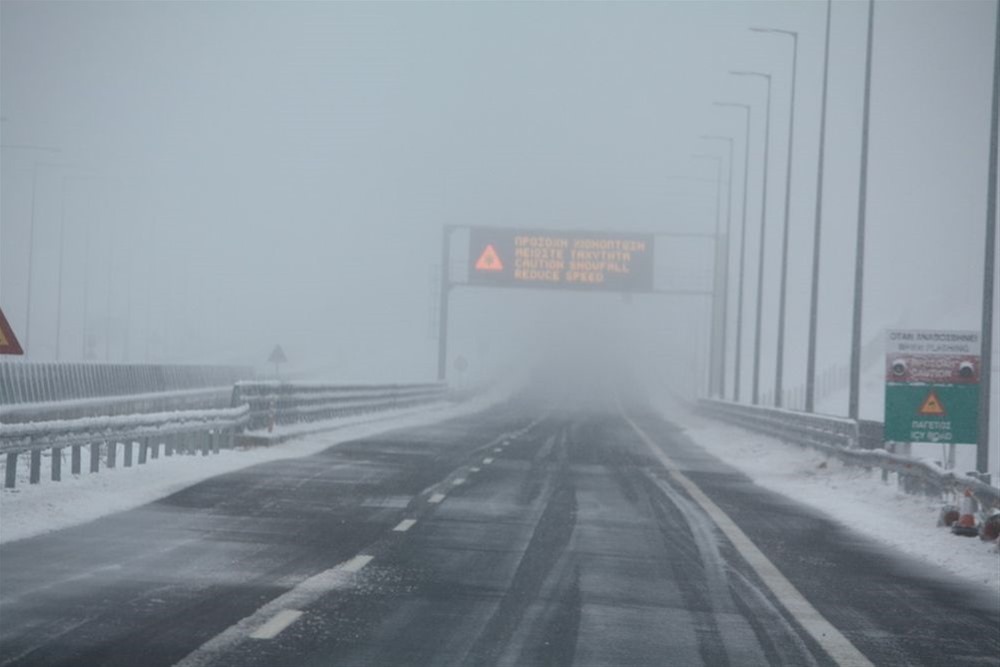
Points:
x=40 y=508
x=851 y=496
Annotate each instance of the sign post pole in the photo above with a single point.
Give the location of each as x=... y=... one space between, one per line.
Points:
x=442 y=365
x=982 y=453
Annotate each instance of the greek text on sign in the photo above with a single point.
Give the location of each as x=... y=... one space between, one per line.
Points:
x=561 y=260
x=932 y=369
x=933 y=342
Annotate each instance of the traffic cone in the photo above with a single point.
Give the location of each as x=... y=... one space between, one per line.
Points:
x=948 y=516
x=990 y=530
x=966 y=524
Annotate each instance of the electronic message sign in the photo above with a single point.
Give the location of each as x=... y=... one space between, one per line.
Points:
x=932 y=386
x=595 y=261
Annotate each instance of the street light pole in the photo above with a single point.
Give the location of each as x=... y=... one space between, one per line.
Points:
x=31 y=233
x=714 y=364
x=743 y=245
x=780 y=359
x=817 y=232
x=725 y=264
x=62 y=253
x=859 y=256
x=31 y=256
x=763 y=228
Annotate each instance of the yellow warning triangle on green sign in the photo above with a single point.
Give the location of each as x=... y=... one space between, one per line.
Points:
x=932 y=405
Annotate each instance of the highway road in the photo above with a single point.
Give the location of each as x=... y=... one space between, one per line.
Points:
x=529 y=534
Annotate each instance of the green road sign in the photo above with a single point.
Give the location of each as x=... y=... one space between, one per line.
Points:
x=943 y=413
x=932 y=386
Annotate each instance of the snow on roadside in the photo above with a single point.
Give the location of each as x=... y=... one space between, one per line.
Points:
x=849 y=495
x=30 y=510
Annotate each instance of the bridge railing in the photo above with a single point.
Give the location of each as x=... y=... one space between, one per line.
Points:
x=279 y=403
x=856 y=443
x=24 y=382
x=254 y=406
x=186 y=430
x=191 y=399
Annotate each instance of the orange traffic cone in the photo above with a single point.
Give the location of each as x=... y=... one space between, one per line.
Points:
x=966 y=524
x=990 y=530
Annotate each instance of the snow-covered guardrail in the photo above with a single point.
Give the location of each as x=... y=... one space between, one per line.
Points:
x=165 y=401
x=282 y=403
x=853 y=442
x=184 y=430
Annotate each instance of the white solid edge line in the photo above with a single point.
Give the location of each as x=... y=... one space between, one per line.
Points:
x=405 y=525
x=436 y=498
x=303 y=594
x=837 y=646
x=278 y=622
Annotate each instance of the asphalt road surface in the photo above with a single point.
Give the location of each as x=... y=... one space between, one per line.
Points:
x=525 y=535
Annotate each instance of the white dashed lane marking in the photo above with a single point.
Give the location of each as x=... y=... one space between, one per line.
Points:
x=356 y=563
x=404 y=525
x=436 y=498
x=278 y=622
x=488 y=460
x=458 y=482
x=272 y=618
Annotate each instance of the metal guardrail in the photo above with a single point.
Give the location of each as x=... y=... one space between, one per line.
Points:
x=185 y=431
x=46 y=382
x=853 y=442
x=255 y=406
x=189 y=399
x=279 y=403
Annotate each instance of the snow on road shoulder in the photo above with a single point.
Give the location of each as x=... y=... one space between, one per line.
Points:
x=30 y=510
x=849 y=495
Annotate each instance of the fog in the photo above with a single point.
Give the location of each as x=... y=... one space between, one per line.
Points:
x=207 y=180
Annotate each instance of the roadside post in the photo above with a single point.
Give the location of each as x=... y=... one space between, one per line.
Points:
x=461 y=365
x=277 y=357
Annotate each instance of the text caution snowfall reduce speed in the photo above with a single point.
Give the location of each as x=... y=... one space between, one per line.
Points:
x=561 y=260
x=932 y=386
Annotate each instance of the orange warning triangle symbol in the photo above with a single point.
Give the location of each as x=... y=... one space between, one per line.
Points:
x=489 y=260
x=932 y=405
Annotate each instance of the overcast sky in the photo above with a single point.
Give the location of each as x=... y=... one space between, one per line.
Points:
x=244 y=174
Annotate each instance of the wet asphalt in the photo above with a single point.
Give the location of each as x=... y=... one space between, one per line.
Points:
x=524 y=535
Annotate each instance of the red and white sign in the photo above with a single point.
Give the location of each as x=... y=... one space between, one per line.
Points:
x=8 y=341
